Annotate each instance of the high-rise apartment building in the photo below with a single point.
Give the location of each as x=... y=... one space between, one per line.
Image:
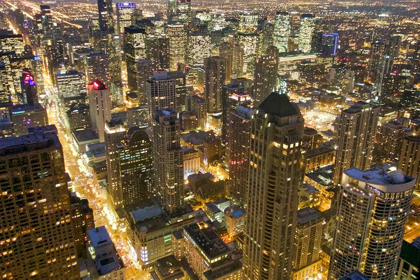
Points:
x=168 y=161
x=409 y=158
x=36 y=228
x=275 y=173
x=306 y=32
x=372 y=213
x=161 y=92
x=99 y=106
x=282 y=31
x=238 y=137
x=214 y=68
x=356 y=132
x=265 y=78
x=388 y=141
x=158 y=51
x=226 y=51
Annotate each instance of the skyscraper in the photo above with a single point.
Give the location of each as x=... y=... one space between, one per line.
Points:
x=37 y=226
x=161 y=92
x=100 y=107
x=282 y=31
x=306 y=31
x=265 y=78
x=144 y=72
x=97 y=67
x=372 y=214
x=409 y=161
x=46 y=18
x=71 y=83
x=124 y=12
x=134 y=49
x=356 y=135
x=416 y=59
x=214 y=68
x=177 y=45
x=135 y=159
x=238 y=137
x=106 y=21
x=168 y=161
x=226 y=51
x=275 y=173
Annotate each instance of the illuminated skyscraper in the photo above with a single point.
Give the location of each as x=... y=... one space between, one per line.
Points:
x=409 y=161
x=275 y=174
x=168 y=161
x=100 y=107
x=372 y=214
x=356 y=135
x=106 y=21
x=37 y=223
x=97 y=67
x=198 y=48
x=265 y=78
x=46 y=18
x=214 y=68
x=144 y=72
x=306 y=31
x=249 y=43
x=158 y=51
x=282 y=31
x=71 y=83
x=134 y=49
x=238 y=137
x=226 y=51
x=177 y=45
x=124 y=13
x=416 y=59
x=161 y=92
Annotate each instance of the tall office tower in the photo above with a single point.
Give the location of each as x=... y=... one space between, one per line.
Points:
x=161 y=92
x=37 y=224
x=99 y=107
x=46 y=18
x=282 y=31
x=416 y=59
x=114 y=133
x=124 y=13
x=168 y=161
x=29 y=90
x=106 y=21
x=409 y=161
x=308 y=237
x=249 y=43
x=306 y=32
x=275 y=174
x=214 y=68
x=238 y=61
x=355 y=141
x=372 y=213
x=158 y=51
x=388 y=141
x=377 y=52
x=265 y=78
x=144 y=73
x=97 y=67
x=181 y=89
x=226 y=51
x=198 y=48
x=238 y=136
x=82 y=219
x=177 y=45
x=172 y=10
x=114 y=50
x=71 y=83
x=267 y=36
x=25 y=116
x=134 y=49
x=136 y=164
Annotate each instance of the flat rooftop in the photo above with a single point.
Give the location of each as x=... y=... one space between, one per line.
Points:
x=207 y=240
x=99 y=236
x=85 y=135
x=308 y=214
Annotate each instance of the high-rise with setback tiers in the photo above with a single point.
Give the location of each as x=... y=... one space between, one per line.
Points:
x=275 y=173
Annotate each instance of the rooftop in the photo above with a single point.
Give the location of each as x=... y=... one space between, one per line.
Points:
x=410 y=253
x=99 y=236
x=85 y=135
x=355 y=275
x=308 y=214
x=207 y=240
x=278 y=105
